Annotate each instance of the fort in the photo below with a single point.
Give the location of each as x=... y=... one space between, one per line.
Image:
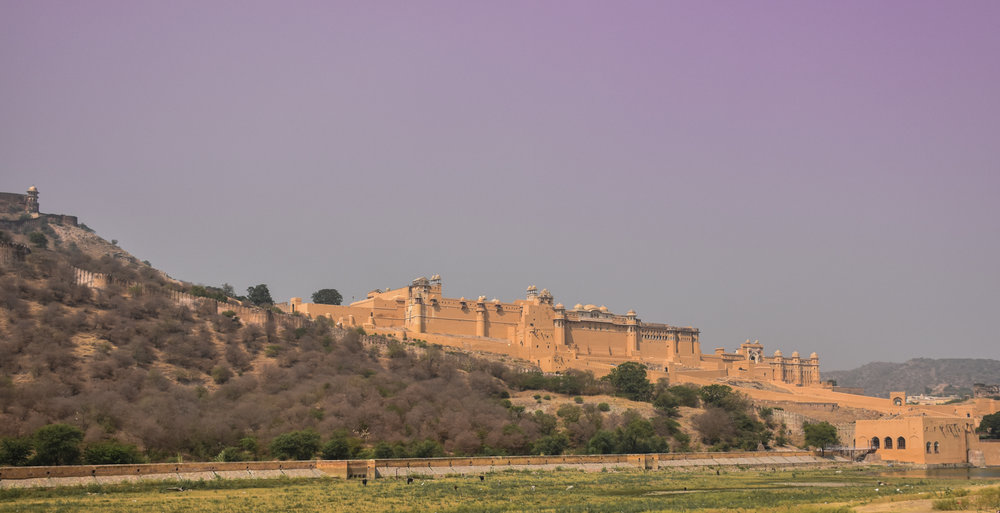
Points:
x=556 y=338
x=25 y=208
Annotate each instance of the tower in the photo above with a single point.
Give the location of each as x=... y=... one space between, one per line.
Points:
x=31 y=201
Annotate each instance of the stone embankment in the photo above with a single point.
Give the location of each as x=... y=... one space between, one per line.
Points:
x=76 y=475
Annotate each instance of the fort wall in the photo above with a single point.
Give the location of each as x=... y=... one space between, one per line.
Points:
x=11 y=252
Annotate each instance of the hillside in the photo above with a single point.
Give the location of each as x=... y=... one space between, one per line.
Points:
x=920 y=375
x=129 y=364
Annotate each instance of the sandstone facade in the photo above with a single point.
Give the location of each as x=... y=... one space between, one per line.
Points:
x=556 y=338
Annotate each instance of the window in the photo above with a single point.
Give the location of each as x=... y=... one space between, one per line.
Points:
x=875 y=443
x=888 y=442
x=935 y=447
x=901 y=443
x=928 y=447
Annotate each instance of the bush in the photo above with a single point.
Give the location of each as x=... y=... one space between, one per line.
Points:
x=111 y=452
x=629 y=380
x=295 y=445
x=604 y=406
x=578 y=400
x=57 y=444
x=15 y=451
x=221 y=374
x=38 y=239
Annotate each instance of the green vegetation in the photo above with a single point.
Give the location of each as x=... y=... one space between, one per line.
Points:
x=327 y=297
x=820 y=434
x=630 y=491
x=296 y=445
x=629 y=381
x=989 y=428
x=259 y=295
x=38 y=239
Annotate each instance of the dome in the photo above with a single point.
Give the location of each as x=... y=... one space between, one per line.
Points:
x=630 y=313
x=578 y=307
x=777 y=353
x=32 y=189
x=590 y=307
x=814 y=355
x=559 y=306
x=462 y=299
x=532 y=288
x=604 y=309
x=795 y=354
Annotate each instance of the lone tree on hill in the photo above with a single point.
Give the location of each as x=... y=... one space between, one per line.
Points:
x=821 y=434
x=327 y=297
x=629 y=380
x=259 y=295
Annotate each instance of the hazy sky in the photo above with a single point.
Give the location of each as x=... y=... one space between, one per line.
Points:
x=822 y=176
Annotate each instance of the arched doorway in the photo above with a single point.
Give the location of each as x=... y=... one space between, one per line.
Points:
x=876 y=442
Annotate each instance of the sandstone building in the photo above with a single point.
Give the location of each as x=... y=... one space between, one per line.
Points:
x=555 y=338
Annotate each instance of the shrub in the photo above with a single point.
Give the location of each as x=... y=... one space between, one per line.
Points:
x=15 y=451
x=111 y=452
x=221 y=374
x=38 y=239
x=578 y=400
x=604 y=406
x=57 y=444
x=295 y=445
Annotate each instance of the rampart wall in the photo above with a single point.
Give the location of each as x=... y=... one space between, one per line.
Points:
x=248 y=315
x=11 y=252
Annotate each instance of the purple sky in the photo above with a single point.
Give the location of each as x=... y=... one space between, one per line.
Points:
x=821 y=176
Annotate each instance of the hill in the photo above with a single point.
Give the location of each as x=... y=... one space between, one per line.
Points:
x=127 y=363
x=944 y=376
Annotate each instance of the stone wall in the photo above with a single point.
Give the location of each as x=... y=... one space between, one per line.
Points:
x=246 y=314
x=11 y=252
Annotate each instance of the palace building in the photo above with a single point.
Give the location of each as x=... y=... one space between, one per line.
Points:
x=553 y=337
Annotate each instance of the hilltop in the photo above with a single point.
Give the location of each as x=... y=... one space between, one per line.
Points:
x=945 y=376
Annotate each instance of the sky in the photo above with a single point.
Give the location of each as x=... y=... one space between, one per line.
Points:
x=821 y=176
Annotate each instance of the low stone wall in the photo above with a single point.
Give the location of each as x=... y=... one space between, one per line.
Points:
x=16 y=477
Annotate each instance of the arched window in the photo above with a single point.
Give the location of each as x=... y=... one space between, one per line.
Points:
x=935 y=447
x=875 y=442
x=897 y=402
x=928 y=447
x=901 y=443
x=888 y=442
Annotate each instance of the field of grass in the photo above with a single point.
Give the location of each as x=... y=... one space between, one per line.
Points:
x=815 y=491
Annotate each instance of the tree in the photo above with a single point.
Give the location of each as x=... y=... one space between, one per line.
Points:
x=989 y=428
x=15 y=451
x=629 y=380
x=259 y=295
x=327 y=297
x=821 y=434
x=111 y=452
x=57 y=444
x=715 y=395
x=295 y=445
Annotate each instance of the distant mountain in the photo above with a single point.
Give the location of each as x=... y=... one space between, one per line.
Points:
x=942 y=376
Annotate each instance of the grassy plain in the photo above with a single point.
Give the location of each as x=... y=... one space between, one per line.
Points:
x=816 y=491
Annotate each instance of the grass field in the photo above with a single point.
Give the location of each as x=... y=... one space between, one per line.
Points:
x=561 y=491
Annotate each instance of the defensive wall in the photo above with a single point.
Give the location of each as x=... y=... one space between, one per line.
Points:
x=11 y=252
x=18 y=477
x=246 y=314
